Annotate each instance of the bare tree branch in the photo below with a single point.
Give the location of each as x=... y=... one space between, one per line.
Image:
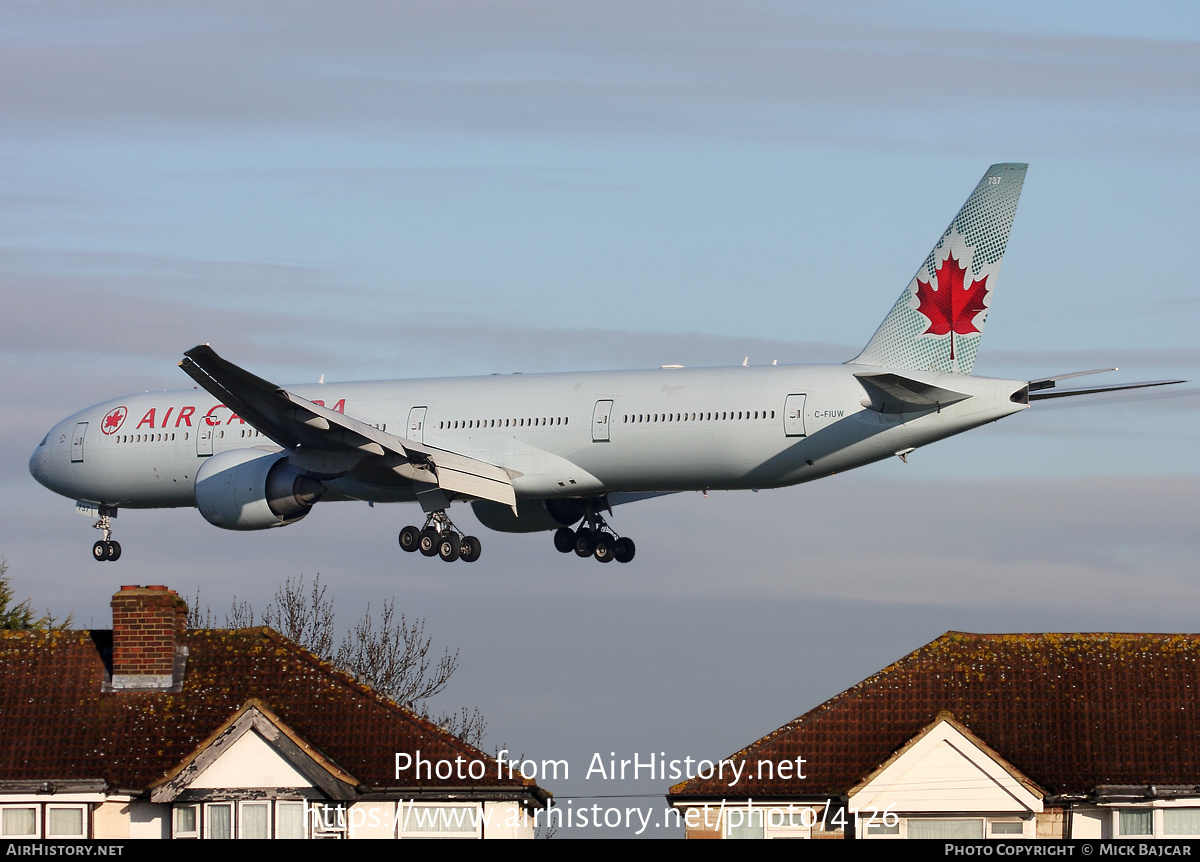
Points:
x=392 y=655
x=305 y=618
x=198 y=619
x=467 y=724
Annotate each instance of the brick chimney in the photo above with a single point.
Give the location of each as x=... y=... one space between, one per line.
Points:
x=149 y=639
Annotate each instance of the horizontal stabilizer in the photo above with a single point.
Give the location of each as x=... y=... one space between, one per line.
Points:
x=1066 y=393
x=892 y=393
x=1048 y=382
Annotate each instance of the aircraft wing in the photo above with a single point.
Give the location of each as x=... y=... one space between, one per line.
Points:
x=324 y=441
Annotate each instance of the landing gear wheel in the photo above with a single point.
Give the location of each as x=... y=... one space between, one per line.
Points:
x=449 y=546
x=624 y=550
x=564 y=540
x=427 y=542
x=105 y=550
x=604 y=548
x=410 y=539
x=470 y=549
x=584 y=543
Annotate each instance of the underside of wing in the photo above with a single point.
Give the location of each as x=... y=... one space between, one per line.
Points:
x=327 y=444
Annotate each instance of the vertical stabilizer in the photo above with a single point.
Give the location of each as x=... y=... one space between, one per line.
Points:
x=937 y=322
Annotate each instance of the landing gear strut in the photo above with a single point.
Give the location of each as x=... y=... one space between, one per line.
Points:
x=106 y=550
x=440 y=538
x=595 y=538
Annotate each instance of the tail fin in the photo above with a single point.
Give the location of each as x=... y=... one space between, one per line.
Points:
x=937 y=322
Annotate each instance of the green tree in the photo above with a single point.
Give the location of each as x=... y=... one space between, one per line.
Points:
x=20 y=617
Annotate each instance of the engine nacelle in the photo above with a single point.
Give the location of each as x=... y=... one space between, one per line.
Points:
x=532 y=515
x=249 y=489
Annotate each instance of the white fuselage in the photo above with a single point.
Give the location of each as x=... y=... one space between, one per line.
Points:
x=665 y=430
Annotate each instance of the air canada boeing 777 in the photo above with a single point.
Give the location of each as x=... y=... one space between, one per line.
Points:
x=555 y=451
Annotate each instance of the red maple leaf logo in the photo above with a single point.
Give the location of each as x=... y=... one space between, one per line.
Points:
x=950 y=306
x=113 y=420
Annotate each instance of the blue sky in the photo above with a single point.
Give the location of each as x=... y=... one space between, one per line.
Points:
x=378 y=190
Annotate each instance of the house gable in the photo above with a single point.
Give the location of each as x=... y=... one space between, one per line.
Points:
x=255 y=750
x=945 y=768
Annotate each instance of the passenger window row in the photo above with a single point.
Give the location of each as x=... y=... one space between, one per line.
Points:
x=726 y=416
x=532 y=422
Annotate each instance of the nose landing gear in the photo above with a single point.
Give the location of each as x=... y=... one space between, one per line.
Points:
x=107 y=550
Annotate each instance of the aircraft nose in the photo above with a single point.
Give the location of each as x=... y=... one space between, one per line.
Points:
x=37 y=462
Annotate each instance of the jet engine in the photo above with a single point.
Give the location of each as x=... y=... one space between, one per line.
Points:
x=532 y=515
x=249 y=489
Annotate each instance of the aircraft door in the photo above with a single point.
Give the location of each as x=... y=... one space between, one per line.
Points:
x=77 y=443
x=600 y=421
x=416 y=424
x=204 y=439
x=793 y=416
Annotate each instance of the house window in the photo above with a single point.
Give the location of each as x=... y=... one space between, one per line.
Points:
x=66 y=821
x=1158 y=821
x=1137 y=821
x=1007 y=827
x=439 y=821
x=1181 y=821
x=744 y=824
x=254 y=820
x=289 y=820
x=19 y=822
x=328 y=820
x=945 y=829
x=257 y=819
x=791 y=822
x=186 y=822
x=218 y=820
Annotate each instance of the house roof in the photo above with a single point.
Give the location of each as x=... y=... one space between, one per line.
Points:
x=58 y=725
x=1072 y=712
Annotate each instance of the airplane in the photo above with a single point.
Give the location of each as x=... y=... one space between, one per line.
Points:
x=556 y=451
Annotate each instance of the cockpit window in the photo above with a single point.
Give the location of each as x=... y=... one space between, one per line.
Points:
x=44 y=439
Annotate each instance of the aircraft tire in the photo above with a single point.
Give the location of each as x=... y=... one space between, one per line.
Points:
x=427 y=542
x=624 y=550
x=564 y=540
x=410 y=539
x=100 y=552
x=584 y=543
x=471 y=549
x=604 y=548
x=449 y=546
x=114 y=551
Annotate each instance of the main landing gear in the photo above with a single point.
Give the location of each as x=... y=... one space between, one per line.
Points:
x=106 y=550
x=440 y=538
x=595 y=538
